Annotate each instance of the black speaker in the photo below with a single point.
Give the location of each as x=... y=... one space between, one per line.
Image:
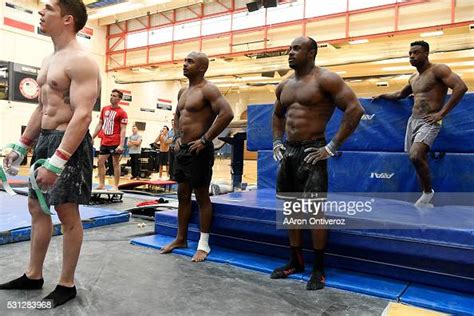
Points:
x=253 y=6
x=269 y=3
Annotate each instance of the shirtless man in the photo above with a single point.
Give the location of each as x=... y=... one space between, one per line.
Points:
x=304 y=104
x=69 y=86
x=202 y=114
x=429 y=87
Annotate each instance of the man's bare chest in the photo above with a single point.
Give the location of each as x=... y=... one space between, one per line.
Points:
x=302 y=93
x=424 y=83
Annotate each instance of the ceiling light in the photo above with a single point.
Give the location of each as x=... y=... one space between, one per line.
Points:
x=341 y=72
x=461 y=63
x=429 y=34
x=396 y=68
x=392 y=61
x=359 y=41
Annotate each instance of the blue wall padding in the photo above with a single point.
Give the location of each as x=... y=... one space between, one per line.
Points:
x=347 y=280
x=382 y=172
x=422 y=246
x=442 y=300
x=259 y=127
x=382 y=128
x=266 y=169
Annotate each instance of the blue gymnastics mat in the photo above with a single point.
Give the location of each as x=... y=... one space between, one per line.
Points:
x=346 y=280
x=15 y=223
x=396 y=240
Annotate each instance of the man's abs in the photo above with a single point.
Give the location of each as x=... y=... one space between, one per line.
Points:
x=56 y=116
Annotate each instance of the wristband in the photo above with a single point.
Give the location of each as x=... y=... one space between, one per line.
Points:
x=206 y=142
x=56 y=163
x=331 y=148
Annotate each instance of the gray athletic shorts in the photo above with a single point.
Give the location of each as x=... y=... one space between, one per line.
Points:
x=418 y=131
x=74 y=185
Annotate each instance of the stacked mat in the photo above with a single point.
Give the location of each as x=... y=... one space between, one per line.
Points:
x=420 y=254
x=373 y=158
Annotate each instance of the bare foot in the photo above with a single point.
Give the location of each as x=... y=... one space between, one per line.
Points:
x=199 y=256
x=114 y=188
x=175 y=244
x=99 y=188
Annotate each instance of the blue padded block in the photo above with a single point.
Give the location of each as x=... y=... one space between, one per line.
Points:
x=259 y=127
x=423 y=246
x=347 y=280
x=363 y=283
x=382 y=128
x=267 y=169
x=16 y=221
x=438 y=299
x=355 y=171
x=356 y=256
x=457 y=130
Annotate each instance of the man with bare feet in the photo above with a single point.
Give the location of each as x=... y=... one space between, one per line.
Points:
x=113 y=123
x=69 y=86
x=429 y=87
x=304 y=104
x=201 y=115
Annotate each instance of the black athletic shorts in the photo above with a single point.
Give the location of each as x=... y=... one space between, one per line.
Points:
x=164 y=158
x=296 y=176
x=192 y=168
x=74 y=185
x=108 y=150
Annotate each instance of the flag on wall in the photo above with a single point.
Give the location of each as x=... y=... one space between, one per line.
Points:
x=164 y=104
x=18 y=17
x=127 y=97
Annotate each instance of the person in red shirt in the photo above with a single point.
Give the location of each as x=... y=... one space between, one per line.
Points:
x=112 y=124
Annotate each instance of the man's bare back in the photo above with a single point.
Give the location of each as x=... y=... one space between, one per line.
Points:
x=55 y=85
x=308 y=106
x=195 y=112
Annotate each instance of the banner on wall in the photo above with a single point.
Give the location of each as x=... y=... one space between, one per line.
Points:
x=147 y=110
x=163 y=104
x=86 y=33
x=18 y=17
x=127 y=97
x=22 y=80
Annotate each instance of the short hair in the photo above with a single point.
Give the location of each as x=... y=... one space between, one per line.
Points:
x=77 y=9
x=120 y=93
x=423 y=44
x=314 y=45
x=167 y=128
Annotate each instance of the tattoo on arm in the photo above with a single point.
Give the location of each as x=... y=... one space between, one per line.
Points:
x=67 y=98
x=424 y=106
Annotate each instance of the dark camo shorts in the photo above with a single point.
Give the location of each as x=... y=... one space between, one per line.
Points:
x=74 y=185
x=296 y=176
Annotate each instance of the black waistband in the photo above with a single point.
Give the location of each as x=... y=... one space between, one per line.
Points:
x=52 y=132
x=301 y=143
